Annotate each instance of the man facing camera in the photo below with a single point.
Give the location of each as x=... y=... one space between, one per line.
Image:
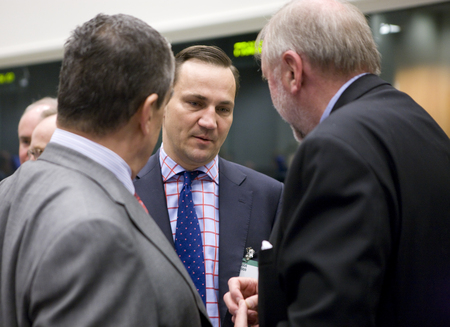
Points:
x=78 y=249
x=235 y=207
x=31 y=117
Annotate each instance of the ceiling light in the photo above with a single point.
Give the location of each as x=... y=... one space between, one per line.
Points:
x=389 y=29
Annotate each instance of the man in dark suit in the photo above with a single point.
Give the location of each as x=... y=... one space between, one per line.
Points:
x=77 y=247
x=236 y=206
x=362 y=238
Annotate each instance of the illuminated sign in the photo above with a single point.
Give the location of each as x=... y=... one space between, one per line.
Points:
x=7 y=78
x=245 y=49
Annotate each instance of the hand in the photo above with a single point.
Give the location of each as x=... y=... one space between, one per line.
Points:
x=243 y=288
x=241 y=317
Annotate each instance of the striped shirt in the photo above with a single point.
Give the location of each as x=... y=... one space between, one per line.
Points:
x=205 y=194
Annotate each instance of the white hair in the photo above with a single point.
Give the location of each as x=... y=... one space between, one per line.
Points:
x=333 y=34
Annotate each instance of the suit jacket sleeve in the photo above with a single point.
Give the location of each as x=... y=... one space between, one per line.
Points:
x=91 y=276
x=334 y=239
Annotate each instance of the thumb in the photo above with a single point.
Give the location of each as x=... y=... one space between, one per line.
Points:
x=252 y=302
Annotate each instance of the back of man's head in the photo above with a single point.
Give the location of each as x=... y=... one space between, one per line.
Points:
x=111 y=65
x=333 y=34
x=209 y=54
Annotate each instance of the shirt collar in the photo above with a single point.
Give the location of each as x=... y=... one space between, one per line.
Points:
x=169 y=168
x=334 y=99
x=100 y=154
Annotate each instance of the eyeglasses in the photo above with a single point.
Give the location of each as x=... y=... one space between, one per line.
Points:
x=33 y=154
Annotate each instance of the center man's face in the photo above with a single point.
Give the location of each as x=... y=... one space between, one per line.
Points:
x=199 y=114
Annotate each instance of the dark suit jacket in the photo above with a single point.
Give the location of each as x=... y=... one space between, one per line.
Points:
x=363 y=238
x=77 y=249
x=248 y=205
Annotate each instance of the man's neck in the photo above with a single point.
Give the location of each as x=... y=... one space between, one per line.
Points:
x=121 y=142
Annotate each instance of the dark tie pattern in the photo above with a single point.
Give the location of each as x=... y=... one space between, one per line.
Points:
x=188 y=238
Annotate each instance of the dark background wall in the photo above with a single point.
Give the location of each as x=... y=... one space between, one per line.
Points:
x=415 y=60
x=258 y=138
x=30 y=83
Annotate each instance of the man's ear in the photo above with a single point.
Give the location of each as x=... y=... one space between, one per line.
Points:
x=148 y=110
x=292 y=71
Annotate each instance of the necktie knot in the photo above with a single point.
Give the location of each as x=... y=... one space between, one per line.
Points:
x=189 y=176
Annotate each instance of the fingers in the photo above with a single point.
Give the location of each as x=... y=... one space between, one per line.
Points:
x=231 y=304
x=252 y=302
x=242 y=287
x=252 y=312
x=241 y=315
x=245 y=290
x=234 y=285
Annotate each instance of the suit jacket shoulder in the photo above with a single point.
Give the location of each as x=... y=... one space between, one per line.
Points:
x=361 y=212
x=71 y=225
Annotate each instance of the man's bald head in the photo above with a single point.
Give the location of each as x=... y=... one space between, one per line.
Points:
x=41 y=136
x=32 y=115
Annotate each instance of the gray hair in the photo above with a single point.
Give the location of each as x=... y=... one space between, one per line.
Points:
x=333 y=34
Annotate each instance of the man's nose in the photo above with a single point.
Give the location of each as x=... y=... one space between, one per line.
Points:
x=208 y=118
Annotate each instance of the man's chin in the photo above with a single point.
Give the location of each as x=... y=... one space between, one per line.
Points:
x=200 y=158
x=298 y=135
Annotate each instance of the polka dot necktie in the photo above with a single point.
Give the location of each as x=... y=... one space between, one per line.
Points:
x=188 y=238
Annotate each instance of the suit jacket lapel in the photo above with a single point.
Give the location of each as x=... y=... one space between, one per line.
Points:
x=358 y=88
x=150 y=187
x=148 y=227
x=235 y=203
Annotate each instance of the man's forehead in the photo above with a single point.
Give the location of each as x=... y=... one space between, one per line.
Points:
x=200 y=65
x=38 y=109
x=196 y=76
x=205 y=98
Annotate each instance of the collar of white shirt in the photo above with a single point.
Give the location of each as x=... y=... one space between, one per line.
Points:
x=169 y=168
x=100 y=154
x=334 y=99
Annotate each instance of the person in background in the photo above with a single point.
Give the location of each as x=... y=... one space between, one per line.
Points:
x=29 y=120
x=363 y=235
x=235 y=206
x=78 y=248
x=41 y=136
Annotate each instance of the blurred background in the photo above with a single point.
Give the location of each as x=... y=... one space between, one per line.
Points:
x=413 y=37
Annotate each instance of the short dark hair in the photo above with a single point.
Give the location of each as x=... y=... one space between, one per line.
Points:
x=209 y=54
x=111 y=65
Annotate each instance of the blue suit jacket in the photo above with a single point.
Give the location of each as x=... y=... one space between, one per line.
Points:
x=248 y=205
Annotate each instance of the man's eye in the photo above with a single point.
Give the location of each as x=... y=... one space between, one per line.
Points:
x=194 y=103
x=224 y=110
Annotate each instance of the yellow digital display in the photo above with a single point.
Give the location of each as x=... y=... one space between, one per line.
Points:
x=245 y=49
x=7 y=78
